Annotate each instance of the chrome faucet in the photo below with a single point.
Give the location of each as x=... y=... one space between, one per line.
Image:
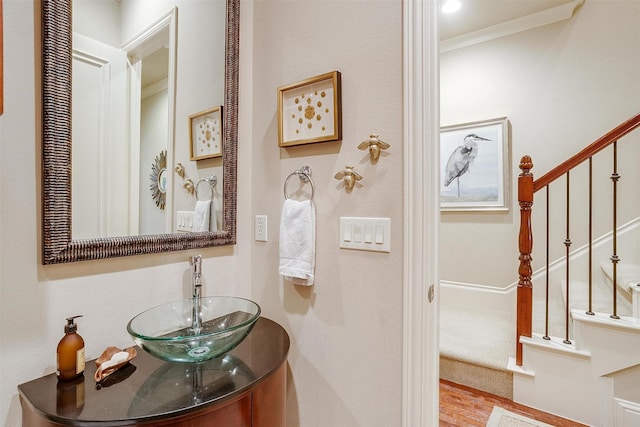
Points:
x=196 y=290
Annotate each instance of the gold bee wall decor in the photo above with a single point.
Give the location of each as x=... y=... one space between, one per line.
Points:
x=375 y=146
x=349 y=177
x=310 y=111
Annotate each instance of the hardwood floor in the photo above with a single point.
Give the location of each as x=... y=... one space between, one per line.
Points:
x=461 y=406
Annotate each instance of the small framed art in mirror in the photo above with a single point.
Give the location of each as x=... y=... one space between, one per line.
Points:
x=206 y=134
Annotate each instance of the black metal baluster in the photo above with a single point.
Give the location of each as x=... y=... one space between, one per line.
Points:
x=614 y=258
x=590 y=311
x=546 y=318
x=567 y=244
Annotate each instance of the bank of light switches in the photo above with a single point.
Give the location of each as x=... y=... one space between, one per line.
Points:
x=184 y=220
x=365 y=234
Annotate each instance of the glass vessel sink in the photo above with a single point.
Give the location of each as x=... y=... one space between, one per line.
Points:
x=167 y=331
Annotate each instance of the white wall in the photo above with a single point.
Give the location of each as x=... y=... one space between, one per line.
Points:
x=34 y=299
x=561 y=86
x=346 y=332
x=153 y=140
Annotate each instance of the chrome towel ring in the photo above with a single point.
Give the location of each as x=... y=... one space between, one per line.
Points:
x=304 y=173
x=212 y=181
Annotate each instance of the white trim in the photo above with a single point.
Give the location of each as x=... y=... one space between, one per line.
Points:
x=626 y=412
x=520 y=370
x=604 y=320
x=554 y=344
x=147 y=41
x=478 y=287
x=540 y=272
x=104 y=68
x=525 y=23
x=154 y=88
x=420 y=406
x=135 y=95
x=171 y=131
x=582 y=251
x=163 y=32
x=472 y=296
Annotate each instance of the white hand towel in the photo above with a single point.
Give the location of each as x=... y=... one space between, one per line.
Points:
x=298 y=241
x=201 y=215
x=213 y=223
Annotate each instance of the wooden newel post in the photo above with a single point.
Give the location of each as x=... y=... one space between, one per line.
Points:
x=525 y=244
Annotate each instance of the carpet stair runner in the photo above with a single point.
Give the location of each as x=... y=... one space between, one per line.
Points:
x=476 y=343
x=475 y=346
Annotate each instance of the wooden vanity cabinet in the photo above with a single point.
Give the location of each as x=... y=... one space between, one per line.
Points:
x=253 y=394
x=262 y=406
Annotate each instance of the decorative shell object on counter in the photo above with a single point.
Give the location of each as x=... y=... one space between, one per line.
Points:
x=111 y=360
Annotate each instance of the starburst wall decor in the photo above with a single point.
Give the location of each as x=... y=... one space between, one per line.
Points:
x=158 y=179
x=309 y=111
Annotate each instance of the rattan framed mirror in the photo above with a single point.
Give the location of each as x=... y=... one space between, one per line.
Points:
x=58 y=245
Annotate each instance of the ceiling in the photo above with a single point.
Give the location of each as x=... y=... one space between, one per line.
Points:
x=477 y=14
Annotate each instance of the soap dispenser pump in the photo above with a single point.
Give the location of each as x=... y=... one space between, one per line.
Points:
x=70 y=352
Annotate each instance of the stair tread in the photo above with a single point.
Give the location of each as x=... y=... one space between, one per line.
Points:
x=477 y=335
x=627 y=274
x=602 y=297
x=625 y=385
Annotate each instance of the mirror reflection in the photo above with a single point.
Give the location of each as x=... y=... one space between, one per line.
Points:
x=128 y=105
x=114 y=180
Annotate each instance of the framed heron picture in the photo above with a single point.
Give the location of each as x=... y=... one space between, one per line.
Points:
x=474 y=166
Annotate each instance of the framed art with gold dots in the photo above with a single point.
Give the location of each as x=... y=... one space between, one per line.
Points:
x=310 y=111
x=206 y=134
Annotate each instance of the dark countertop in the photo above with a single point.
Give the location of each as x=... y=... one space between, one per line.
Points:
x=150 y=389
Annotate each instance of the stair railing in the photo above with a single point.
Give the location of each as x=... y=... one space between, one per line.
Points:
x=527 y=187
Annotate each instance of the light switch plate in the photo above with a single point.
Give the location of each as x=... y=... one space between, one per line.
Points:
x=365 y=234
x=184 y=220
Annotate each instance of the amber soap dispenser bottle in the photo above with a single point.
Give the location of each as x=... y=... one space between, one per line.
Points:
x=70 y=352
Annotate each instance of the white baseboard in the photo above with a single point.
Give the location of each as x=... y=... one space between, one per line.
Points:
x=504 y=298
x=628 y=250
x=627 y=414
x=475 y=295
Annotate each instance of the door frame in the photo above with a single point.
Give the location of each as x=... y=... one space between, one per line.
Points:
x=421 y=87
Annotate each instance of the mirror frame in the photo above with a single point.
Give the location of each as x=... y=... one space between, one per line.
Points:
x=58 y=245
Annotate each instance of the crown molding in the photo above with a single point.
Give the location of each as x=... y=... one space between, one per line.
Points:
x=524 y=23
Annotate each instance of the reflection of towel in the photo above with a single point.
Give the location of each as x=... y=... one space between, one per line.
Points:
x=298 y=241
x=201 y=215
x=213 y=222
